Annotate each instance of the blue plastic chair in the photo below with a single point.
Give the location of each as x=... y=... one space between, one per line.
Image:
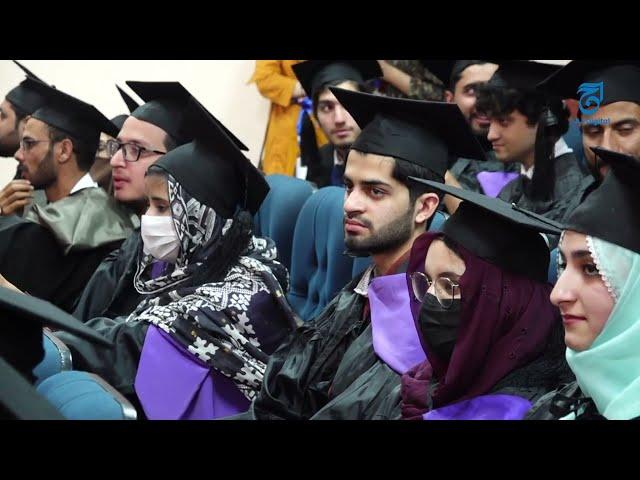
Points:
x=85 y=396
x=278 y=213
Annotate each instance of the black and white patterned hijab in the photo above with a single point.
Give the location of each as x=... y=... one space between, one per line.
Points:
x=215 y=321
x=198 y=227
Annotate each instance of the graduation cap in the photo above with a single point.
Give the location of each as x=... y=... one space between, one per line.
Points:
x=420 y=132
x=498 y=232
x=71 y=115
x=446 y=70
x=24 y=97
x=19 y=307
x=19 y=400
x=317 y=74
x=521 y=74
x=21 y=320
x=212 y=168
x=165 y=106
x=132 y=105
x=620 y=80
x=612 y=211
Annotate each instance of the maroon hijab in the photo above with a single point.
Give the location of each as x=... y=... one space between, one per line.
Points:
x=506 y=320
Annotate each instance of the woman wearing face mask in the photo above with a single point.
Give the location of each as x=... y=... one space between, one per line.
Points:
x=598 y=294
x=197 y=346
x=480 y=301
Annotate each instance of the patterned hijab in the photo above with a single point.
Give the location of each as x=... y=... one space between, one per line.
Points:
x=216 y=321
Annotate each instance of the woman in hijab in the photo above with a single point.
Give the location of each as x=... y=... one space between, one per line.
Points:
x=480 y=301
x=197 y=346
x=598 y=293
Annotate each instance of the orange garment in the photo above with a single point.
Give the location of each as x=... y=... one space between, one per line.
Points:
x=276 y=81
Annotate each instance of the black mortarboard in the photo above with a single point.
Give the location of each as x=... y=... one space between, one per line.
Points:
x=521 y=74
x=73 y=116
x=446 y=70
x=212 y=168
x=21 y=320
x=165 y=106
x=132 y=105
x=420 y=132
x=498 y=232
x=612 y=211
x=619 y=79
x=317 y=74
x=24 y=97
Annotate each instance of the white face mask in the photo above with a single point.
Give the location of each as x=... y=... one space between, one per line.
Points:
x=160 y=238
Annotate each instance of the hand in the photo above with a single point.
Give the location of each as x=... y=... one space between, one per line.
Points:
x=15 y=196
x=298 y=92
x=449 y=179
x=384 y=66
x=7 y=284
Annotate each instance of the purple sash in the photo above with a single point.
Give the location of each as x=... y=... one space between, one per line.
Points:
x=484 y=407
x=493 y=182
x=395 y=338
x=172 y=384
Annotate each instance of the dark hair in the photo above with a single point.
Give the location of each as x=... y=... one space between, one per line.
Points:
x=20 y=115
x=85 y=153
x=403 y=169
x=551 y=116
x=456 y=74
x=316 y=95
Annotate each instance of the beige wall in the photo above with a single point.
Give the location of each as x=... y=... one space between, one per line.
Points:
x=221 y=85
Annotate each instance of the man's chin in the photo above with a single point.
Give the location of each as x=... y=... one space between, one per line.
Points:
x=355 y=249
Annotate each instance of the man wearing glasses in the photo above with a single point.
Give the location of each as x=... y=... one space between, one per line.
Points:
x=55 y=248
x=152 y=129
x=18 y=104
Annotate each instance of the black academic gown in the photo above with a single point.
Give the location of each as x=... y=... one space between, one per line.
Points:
x=328 y=369
x=319 y=170
x=569 y=177
x=364 y=387
x=587 y=185
x=32 y=259
x=466 y=170
x=110 y=292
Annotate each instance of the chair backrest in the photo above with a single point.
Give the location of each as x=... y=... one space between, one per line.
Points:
x=85 y=396
x=319 y=268
x=277 y=216
x=57 y=357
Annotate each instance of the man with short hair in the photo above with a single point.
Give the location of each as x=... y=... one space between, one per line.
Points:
x=329 y=368
x=326 y=165
x=152 y=129
x=16 y=107
x=526 y=126
x=612 y=121
x=64 y=240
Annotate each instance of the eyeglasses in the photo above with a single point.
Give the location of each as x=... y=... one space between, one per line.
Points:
x=444 y=288
x=131 y=151
x=27 y=144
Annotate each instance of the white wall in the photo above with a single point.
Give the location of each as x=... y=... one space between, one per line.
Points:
x=221 y=86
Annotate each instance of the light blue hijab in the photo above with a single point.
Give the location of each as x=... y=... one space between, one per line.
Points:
x=609 y=371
